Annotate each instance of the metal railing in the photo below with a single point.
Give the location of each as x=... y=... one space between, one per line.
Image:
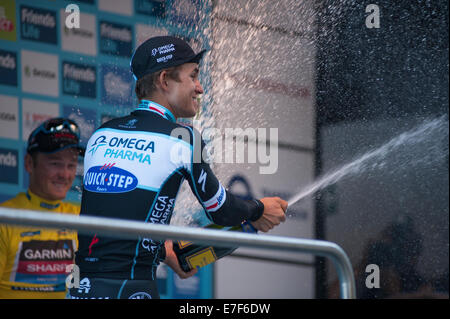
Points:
x=133 y=229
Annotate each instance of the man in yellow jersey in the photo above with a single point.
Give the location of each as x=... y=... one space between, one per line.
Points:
x=33 y=260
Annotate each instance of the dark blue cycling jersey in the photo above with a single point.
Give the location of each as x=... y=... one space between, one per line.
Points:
x=133 y=169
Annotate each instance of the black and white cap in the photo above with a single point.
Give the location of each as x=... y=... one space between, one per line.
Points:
x=159 y=53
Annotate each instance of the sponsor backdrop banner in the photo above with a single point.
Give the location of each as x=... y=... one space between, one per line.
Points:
x=51 y=65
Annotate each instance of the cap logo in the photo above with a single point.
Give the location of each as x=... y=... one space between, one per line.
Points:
x=164 y=58
x=163 y=50
x=166 y=48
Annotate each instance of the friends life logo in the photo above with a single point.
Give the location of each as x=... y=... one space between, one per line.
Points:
x=9 y=169
x=8 y=68
x=116 y=39
x=79 y=80
x=38 y=24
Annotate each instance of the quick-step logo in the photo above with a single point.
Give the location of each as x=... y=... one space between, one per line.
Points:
x=109 y=179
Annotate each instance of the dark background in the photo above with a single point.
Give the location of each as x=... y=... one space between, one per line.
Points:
x=373 y=84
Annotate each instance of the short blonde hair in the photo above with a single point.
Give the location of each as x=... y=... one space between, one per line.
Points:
x=146 y=85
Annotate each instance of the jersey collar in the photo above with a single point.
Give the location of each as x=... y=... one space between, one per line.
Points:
x=39 y=201
x=156 y=108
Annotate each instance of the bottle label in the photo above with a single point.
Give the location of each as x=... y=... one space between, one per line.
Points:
x=248 y=228
x=202 y=258
x=183 y=243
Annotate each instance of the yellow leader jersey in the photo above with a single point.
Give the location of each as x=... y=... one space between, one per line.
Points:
x=33 y=260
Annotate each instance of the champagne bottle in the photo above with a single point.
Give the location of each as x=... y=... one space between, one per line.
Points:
x=192 y=255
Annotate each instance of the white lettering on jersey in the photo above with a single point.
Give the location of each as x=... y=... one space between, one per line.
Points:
x=202 y=179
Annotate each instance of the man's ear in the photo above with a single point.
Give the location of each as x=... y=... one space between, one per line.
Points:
x=29 y=163
x=163 y=81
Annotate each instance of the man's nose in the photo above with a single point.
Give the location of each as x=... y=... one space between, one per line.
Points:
x=198 y=88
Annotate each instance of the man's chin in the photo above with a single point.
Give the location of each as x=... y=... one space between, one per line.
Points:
x=189 y=114
x=195 y=110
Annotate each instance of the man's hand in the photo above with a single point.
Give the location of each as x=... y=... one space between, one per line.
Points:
x=172 y=261
x=273 y=215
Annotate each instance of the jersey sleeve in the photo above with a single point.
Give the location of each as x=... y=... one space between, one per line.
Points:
x=221 y=207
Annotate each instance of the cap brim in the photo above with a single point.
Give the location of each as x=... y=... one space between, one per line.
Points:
x=197 y=57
